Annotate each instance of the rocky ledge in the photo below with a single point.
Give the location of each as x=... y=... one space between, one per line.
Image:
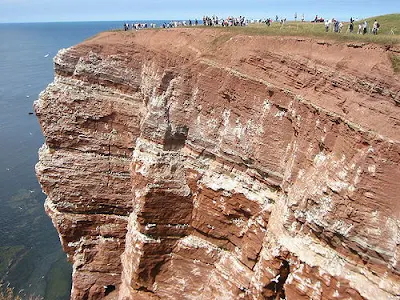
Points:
x=202 y=164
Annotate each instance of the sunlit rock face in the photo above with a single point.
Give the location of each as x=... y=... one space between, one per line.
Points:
x=199 y=164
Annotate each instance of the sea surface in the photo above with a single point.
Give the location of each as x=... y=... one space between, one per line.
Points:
x=31 y=258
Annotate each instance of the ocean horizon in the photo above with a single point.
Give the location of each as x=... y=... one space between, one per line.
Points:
x=115 y=21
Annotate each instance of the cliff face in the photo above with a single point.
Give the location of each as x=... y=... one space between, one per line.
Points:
x=197 y=164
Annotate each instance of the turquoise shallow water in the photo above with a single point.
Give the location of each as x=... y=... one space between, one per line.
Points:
x=31 y=259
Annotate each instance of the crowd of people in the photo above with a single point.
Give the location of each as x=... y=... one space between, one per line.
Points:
x=337 y=26
x=229 y=21
x=174 y=24
x=137 y=26
x=207 y=21
x=171 y=24
x=330 y=25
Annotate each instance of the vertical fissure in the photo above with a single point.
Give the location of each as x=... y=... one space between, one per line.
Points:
x=275 y=289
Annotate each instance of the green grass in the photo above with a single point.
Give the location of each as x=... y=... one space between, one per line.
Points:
x=220 y=40
x=395 y=62
x=387 y=23
x=317 y=30
x=308 y=29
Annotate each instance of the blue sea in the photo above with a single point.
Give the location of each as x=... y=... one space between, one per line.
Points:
x=31 y=259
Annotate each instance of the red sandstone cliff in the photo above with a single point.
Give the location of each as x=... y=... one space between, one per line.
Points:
x=196 y=164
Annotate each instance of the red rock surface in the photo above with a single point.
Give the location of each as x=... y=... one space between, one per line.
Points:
x=200 y=164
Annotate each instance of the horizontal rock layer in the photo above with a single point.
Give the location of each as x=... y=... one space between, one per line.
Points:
x=202 y=164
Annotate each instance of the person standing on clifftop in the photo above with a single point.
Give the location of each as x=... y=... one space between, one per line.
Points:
x=365 y=27
x=375 y=27
x=327 y=23
x=351 y=26
x=336 y=26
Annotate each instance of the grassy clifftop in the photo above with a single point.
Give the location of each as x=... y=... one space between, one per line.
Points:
x=308 y=29
x=387 y=22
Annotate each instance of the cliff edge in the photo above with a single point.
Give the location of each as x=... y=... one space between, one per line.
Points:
x=199 y=164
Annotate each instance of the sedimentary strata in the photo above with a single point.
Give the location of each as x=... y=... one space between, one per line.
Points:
x=200 y=164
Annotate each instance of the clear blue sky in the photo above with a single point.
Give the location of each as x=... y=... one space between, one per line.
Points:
x=101 y=10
